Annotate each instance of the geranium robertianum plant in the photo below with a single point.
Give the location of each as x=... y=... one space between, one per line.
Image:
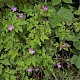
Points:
x=39 y=40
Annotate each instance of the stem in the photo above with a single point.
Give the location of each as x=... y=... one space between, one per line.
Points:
x=45 y=1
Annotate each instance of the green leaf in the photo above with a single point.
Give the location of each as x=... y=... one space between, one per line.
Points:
x=12 y=77
x=9 y=3
x=77 y=45
x=65 y=14
x=76 y=12
x=55 y=20
x=1 y=68
x=14 y=18
x=53 y=73
x=16 y=30
x=46 y=73
x=20 y=63
x=43 y=37
x=1 y=5
x=3 y=56
x=67 y=1
x=62 y=15
x=31 y=35
x=56 y=2
x=11 y=71
x=74 y=59
x=26 y=78
x=37 y=40
x=13 y=54
x=20 y=22
x=20 y=28
x=78 y=35
x=33 y=61
x=78 y=62
x=5 y=62
x=30 y=26
x=28 y=61
x=79 y=10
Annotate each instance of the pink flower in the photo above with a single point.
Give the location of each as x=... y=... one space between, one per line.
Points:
x=10 y=27
x=20 y=15
x=31 y=51
x=59 y=65
x=14 y=9
x=36 y=69
x=44 y=8
x=64 y=45
x=29 y=70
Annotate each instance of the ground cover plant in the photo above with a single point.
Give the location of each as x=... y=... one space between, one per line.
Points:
x=39 y=40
